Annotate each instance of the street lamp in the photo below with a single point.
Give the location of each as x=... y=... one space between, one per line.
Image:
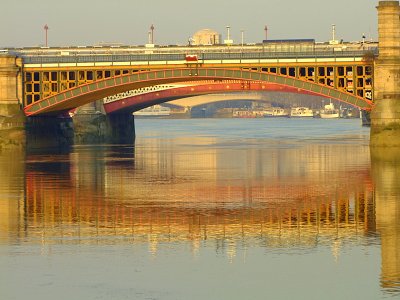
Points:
x=266 y=32
x=46 y=28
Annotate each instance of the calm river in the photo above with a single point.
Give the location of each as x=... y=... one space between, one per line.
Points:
x=205 y=209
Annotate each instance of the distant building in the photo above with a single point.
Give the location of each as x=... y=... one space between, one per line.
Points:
x=206 y=37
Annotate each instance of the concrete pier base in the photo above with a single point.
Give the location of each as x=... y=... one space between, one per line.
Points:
x=91 y=128
x=98 y=128
x=49 y=132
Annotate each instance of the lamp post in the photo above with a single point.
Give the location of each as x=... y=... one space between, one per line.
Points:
x=266 y=32
x=152 y=33
x=242 y=33
x=46 y=28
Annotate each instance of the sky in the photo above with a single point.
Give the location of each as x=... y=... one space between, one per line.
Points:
x=89 y=22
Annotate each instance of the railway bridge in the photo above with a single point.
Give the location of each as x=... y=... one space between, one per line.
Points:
x=52 y=87
x=49 y=82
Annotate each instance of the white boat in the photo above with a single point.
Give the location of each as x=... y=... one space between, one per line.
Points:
x=301 y=112
x=275 y=112
x=153 y=111
x=329 y=112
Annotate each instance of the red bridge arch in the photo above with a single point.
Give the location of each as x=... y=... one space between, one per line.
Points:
x=137 y=102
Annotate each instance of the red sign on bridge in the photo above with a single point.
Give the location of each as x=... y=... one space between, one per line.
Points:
x=191 y=58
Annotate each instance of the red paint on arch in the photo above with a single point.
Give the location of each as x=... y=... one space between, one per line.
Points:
x=137 y=102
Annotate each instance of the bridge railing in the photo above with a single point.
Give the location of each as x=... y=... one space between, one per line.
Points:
x=202 y=57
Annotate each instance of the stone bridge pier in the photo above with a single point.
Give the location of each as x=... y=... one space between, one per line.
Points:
x=44 y=132
x=12 y=119
x=92 y=125
x=385 y=116
x=10 y=85
x=122 y=128
x=60 y=132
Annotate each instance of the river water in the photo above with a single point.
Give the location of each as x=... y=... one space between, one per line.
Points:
x=205 y=209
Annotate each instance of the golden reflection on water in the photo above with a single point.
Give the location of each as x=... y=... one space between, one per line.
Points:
x=385 y=166
x=177 y=191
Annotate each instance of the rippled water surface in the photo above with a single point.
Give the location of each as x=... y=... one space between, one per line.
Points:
x=205 y=209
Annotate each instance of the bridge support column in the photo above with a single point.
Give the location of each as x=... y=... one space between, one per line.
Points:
x=12 y=119
x=122 y=128
x=49 y=132
x=385 y=117
x=91 y=124
x=10 y=85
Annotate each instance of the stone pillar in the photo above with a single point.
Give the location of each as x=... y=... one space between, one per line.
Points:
x=122 y=128
x=10 y=85
x=385 y=117
x=12 y=118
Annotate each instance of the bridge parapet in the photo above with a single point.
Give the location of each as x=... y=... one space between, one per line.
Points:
x=115 y=58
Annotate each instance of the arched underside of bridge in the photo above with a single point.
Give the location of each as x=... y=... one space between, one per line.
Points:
x=137 y=102
x=199 y=100
x=87 y=93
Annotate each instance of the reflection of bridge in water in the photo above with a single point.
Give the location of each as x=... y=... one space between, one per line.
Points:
x=299 y=207
x=77 y=199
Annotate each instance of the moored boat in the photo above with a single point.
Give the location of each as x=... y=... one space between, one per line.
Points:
x=329 y=112
x=301 y=112
x=153 y=111
x=275 y=112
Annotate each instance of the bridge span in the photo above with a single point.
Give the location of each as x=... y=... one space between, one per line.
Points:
x=90 y=92
x=57 y=79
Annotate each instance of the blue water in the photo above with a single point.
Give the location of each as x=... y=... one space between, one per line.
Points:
x=283 y=129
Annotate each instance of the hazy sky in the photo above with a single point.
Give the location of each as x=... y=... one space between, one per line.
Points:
x=87 y=22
